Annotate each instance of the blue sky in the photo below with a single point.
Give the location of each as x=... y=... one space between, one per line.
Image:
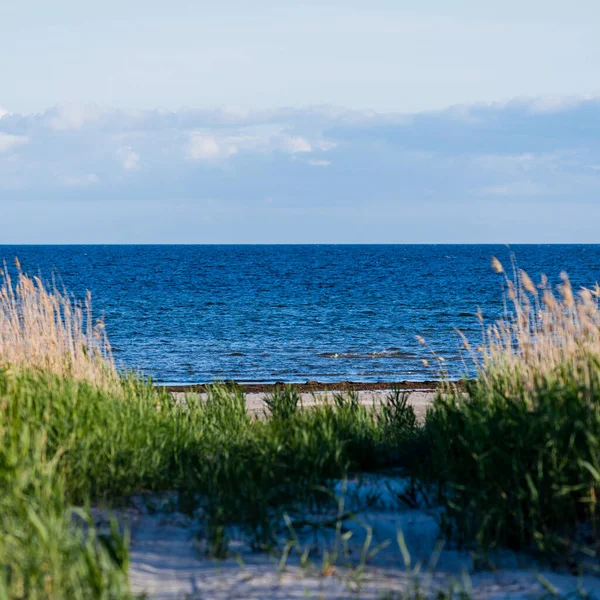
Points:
x=206 y=122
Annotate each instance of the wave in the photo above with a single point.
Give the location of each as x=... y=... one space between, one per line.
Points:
x=369 y=355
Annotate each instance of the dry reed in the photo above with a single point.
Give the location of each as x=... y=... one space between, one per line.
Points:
x=44 y=328
x=516 y=459
x=541 y=332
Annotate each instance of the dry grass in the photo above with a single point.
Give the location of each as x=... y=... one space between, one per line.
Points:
x=44 y=328
x=516 y=460
x=541 y=332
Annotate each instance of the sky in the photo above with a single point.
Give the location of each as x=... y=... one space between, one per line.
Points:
x=299 y=122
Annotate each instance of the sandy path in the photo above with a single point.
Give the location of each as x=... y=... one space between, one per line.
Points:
x=169 y=563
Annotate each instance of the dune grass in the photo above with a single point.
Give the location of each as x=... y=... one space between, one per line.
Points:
x=74 y=433
x=44 y=328
x=516 y=460
x=104 y=446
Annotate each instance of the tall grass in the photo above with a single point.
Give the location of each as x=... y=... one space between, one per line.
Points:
x=43 y=552
x=44 y=328
x=72 y=432
x=516 y=460
x=542 y=331
x=48 y=344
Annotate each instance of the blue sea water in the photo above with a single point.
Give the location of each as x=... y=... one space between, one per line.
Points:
x=191 y=314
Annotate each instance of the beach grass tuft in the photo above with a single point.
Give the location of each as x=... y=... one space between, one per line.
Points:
x=44 y=328
x=516 y=459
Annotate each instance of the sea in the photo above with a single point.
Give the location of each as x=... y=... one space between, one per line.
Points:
x=294 y=313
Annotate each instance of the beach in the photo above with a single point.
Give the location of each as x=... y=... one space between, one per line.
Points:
x=420 y=395
x=168 y=561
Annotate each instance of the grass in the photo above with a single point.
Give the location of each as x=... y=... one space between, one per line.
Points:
x=44 y=328
x=514 y=461
x=67 y=442
x=72 y=432
x=43 y=553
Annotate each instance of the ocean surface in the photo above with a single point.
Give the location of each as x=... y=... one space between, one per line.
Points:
x=192 y=314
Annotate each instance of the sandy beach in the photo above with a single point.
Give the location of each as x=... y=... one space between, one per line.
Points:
x=419 y=399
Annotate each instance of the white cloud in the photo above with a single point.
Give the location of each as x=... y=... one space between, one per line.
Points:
x=325 y=145
x=553 y=104
x=212 y=144
x=129 y=158
x=81 y=180
x=3 y=112
x=502 y=151
x=295 y=144
x=9 y=141
x=72 y=117
x=208 y=147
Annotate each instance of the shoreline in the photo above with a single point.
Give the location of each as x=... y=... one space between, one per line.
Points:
x=317 y=386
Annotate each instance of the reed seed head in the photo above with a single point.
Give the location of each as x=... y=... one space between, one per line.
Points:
x=44 y=328
x=527 y=283
x=497 y=265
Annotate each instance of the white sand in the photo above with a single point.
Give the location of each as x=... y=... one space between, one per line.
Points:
x=168 y=563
